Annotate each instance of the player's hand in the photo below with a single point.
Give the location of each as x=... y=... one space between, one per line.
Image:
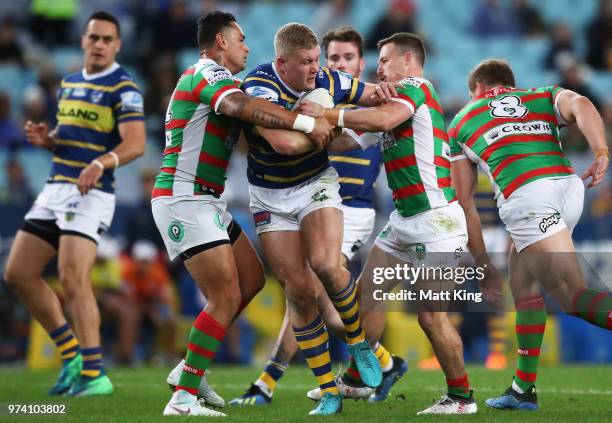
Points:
x=491 y=285
x=38 y=135
x=322 y=134
x=597 y=170
x=88 y=178
x=385 y=91
x=309 y=108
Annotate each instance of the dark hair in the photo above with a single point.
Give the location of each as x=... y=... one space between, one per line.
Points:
x=345 y=34
x=212 y=24
x=407 y=41
x=491 y=72
x=104 y=16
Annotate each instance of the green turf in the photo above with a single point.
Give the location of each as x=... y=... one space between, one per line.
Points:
x=567 y=394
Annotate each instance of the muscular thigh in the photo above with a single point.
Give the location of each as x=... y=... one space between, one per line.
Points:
x=286 y=256
x=250 y=269
x=76 y=255
x=322 y=232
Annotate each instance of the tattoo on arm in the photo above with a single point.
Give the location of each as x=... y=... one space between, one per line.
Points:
x=266 y=119
x=234 y=104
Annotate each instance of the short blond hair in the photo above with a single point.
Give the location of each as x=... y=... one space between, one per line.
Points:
x=294 y=36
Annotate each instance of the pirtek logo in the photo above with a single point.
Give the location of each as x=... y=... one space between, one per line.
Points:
x=547 y=222
x=79 y=114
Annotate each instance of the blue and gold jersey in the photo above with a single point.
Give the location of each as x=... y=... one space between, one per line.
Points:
x=90 y=108
x=267 y=168
x=357 y=171
x=485 y=202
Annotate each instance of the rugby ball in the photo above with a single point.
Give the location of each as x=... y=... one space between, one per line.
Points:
x=319 y=96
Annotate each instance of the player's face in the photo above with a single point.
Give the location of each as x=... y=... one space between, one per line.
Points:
x=300 y=68
x=237 y=51
x=101 y=43
x=391 y=64
x=344 y=56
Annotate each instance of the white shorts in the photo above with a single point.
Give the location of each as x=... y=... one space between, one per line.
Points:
x=283 y=209
x=542 y=208
x=89 y=215
x=443 y=247
x=358 y=226
x=189 y=225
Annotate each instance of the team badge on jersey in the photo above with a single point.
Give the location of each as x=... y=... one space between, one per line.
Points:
x=176 y=231
x=96 y=96
x=319 y=196
x=263 y=92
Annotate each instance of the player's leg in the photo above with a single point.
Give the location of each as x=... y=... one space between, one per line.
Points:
x=250 y=269
x=214 y=270
x=553 y=262
x=262 y=390
x=76 y=256
x=322 y=234
x=32 y=249
x=286 y=257
x=530 y=324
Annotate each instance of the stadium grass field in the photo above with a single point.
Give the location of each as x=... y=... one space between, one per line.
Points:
x=567 y=394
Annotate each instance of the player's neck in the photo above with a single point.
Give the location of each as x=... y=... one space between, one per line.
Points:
x=213 y=55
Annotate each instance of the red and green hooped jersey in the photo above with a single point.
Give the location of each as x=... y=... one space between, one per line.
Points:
x=417 y=153
x=513 y=136
x=198 y=141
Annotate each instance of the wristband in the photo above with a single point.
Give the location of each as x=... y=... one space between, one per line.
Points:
x=116 y=157
x=341 y=118
x=98 y=163
x=304 y=124
x=602 y=152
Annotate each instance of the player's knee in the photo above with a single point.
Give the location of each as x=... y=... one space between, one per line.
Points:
x=73 y=285
x=13 y=278
x=301 y=302
x=325 y=268
x=427 y=320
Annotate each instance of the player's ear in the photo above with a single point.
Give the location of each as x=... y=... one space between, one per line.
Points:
x=221 y=41
x=83 y=41
x=361 y=65
x=118 y=49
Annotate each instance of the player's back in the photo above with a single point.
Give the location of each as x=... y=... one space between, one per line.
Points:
x=89 y=109
x=513 y=134
x=417 y=154
x=198 y=148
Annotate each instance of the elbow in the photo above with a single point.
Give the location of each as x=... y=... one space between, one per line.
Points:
x=386 y=124
x=284 y=147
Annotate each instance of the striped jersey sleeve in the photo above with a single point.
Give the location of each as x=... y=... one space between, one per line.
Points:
x=411 y=93
x=341 y=86
x=129 y=103
x=212 y=83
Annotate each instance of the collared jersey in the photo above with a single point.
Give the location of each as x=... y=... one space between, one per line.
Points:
x=267 y=168
x=89 y=110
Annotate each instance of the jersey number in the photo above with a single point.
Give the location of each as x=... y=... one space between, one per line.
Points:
x=508 y=107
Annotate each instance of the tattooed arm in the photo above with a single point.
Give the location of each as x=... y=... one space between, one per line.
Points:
x=317 y=132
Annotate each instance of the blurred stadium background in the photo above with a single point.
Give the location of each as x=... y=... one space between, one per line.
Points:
x=566 y=42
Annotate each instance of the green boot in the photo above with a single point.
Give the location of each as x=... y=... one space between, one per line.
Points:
x=69 y=374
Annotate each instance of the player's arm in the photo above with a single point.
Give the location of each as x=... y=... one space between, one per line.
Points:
x=377 y=119
x=576 y=108
x=268 y=115
x=376 y=94
x=132 y=146
x=287 y=142
x=465 y=178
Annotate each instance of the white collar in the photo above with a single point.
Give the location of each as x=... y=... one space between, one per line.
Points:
x=90 y=76
x=291 y=90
